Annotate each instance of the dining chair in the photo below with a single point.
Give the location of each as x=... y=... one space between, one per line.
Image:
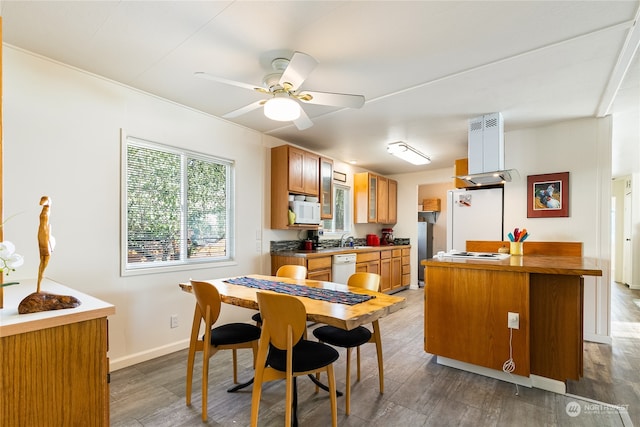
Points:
x=290 y=271
x=283 y=353
x=230 y=336
x=356 y=337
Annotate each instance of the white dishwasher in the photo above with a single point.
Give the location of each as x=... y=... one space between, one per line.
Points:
x=342 y=267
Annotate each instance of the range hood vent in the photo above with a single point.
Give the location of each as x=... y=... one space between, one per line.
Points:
x=486 y=151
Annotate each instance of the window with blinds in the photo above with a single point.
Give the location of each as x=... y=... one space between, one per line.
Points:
x=178 y=206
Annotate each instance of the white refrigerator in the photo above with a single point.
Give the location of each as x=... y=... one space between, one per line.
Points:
x=475 y=214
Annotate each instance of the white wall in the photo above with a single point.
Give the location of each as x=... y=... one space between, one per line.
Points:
x=581 y=147
x=62 y=139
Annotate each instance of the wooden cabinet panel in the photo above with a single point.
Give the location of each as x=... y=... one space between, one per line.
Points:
x=375 y=199
x=393 y=201
x=319 y=263
x=461 y=167
x=296 y=170
x=292 y=171
x=311 y=173
x=396 y=272
x=382 y=200
x=385 y=274
x=57 y=376
x=326 y=188
x=323 y=275
x=466 y=316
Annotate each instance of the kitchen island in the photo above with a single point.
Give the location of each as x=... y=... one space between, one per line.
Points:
x=467 y=302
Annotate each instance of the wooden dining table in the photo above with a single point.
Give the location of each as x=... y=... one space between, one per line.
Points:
x=319 y=311
x=331 y=313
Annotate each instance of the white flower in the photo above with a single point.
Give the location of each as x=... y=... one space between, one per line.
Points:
x=9 y=260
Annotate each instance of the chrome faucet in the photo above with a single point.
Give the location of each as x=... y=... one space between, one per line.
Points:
x=343 y=240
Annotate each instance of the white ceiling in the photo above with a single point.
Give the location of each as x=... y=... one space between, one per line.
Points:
x=424 y=67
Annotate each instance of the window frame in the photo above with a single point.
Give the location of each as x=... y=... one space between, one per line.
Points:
x=348 y=214
x=132 y=269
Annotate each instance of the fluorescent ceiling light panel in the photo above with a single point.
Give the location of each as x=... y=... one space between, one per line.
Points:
x=407 y=153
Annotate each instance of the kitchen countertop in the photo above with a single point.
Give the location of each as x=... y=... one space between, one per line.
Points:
x=317 y=253
x=525 y=263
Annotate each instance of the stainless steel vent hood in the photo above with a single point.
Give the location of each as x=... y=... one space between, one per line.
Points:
x=486 y=151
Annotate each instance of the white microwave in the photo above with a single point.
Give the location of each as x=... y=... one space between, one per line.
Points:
x=306 y=212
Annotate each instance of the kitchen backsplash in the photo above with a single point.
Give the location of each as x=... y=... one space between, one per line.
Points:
x=293 y=245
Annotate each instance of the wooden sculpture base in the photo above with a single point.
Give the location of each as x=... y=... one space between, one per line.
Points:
x=43 y=301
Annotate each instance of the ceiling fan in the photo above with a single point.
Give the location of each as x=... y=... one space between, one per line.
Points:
x=283 y=87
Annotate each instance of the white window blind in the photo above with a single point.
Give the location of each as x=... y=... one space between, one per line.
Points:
x=178 y=206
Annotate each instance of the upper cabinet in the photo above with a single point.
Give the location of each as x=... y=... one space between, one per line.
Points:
x=303 y=171
x=461 y=167
x=326 y=188
x=292 y=171
x=375 y=199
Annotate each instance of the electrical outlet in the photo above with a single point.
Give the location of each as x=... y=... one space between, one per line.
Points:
x=513 y=320
x=174 y=321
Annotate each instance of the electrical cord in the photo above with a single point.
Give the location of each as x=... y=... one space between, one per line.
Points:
x=509 y=366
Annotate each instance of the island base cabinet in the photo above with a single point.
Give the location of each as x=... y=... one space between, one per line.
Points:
x=56 y=376
x=557 y=326
x=466 y=316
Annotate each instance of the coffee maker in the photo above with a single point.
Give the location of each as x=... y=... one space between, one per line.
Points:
x=387 y=236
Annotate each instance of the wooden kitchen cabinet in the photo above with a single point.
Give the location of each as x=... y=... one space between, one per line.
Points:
x=382 y=200
x=396 y=269
x=54 y=368
x=375 y=199
x=461 y=167
x=304 y=170
x=368 y=262
x=292 y=171
x=326 y=188
x=385 y=271
x=392 y=198
x=406 y=267
x=319 y=268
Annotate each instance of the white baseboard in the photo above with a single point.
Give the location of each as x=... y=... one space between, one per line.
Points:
x=601 y=339
x=487 y=372
x=548 y=384
x=143 y=356
x=531 y=381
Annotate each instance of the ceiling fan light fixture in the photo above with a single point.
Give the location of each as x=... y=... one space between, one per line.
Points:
x=282 y=109
x=407 y=153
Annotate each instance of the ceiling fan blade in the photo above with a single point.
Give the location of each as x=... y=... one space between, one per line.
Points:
x=303 y=122
x=299 y=68
x=229 y=82
x=245 y=109
x=332 y=99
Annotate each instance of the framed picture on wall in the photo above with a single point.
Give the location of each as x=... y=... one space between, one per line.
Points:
x=548 y=195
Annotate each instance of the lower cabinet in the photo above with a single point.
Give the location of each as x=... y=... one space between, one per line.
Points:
x=391 y=264
x=317 y=268
x=368 y=262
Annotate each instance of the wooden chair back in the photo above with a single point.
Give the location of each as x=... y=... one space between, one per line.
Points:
x=284 y=318
x=529 y=248
x=292 y=271
x=370 y=281
x=207 y=296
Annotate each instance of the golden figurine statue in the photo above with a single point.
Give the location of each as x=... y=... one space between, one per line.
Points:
x=46 y=241
x=44 y=301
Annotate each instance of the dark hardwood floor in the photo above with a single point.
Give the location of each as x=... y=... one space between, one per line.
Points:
x=418 y=391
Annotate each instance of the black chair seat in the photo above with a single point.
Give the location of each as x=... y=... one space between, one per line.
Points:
x=341 y=337
x=307 y=356
x=257 y=318
x=234 y=333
